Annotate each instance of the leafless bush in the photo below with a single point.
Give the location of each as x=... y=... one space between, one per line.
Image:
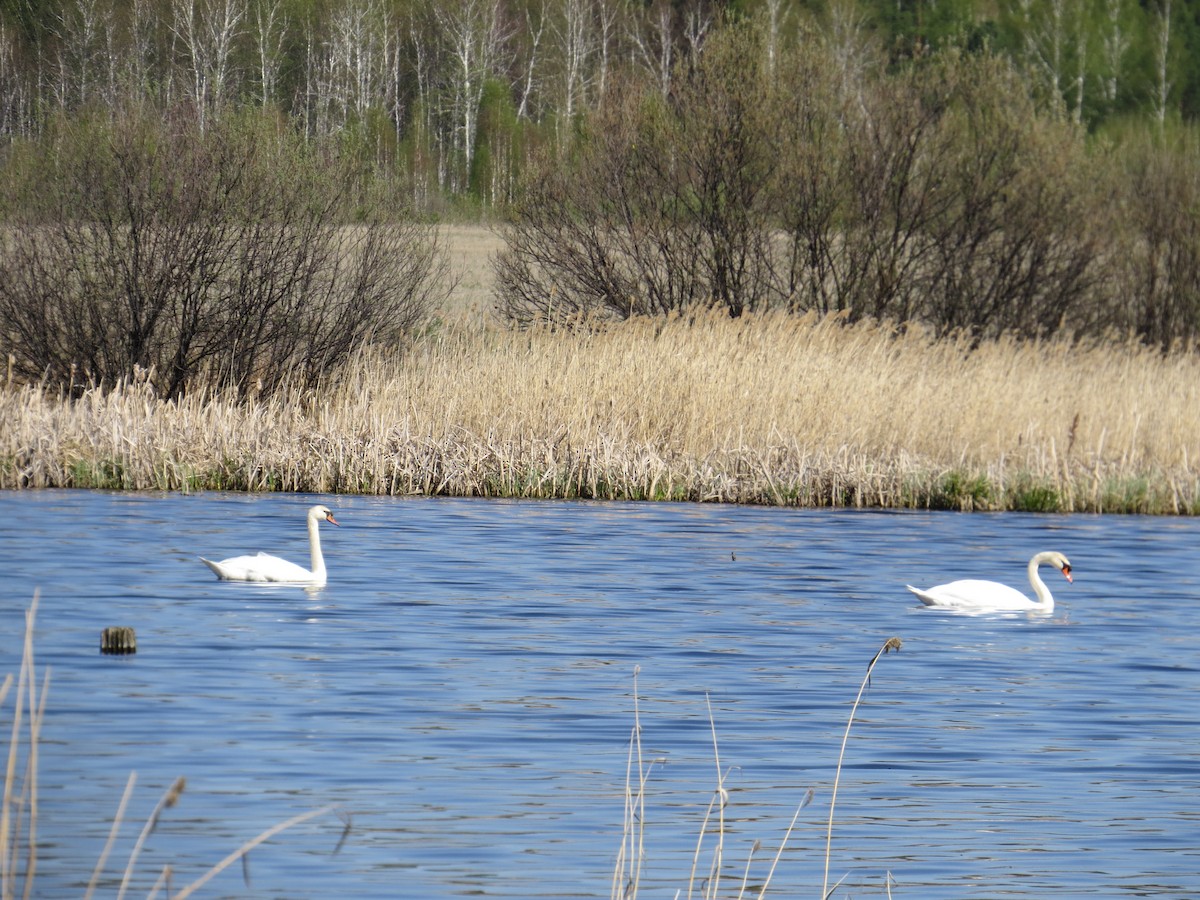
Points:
x=1017 y=246
x=938 y=194
x=666 y=206
x=889 y=191
x=1159 y=185
x=217 y=260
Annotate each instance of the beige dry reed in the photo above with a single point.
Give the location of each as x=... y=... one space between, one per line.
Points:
x=19 y=804
x=632 y=853
x=772 y=410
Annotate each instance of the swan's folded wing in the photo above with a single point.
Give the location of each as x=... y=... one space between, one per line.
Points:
x=265 y=567
x=260 y=568
x=973 y=594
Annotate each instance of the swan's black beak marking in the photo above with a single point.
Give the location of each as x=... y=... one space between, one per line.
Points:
x=1066 y=570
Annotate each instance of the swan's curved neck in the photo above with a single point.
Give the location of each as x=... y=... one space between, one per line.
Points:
x=314 y=544
x=1044 y=597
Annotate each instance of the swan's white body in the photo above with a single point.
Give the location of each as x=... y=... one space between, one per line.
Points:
x=266 y=568
x=973 y=594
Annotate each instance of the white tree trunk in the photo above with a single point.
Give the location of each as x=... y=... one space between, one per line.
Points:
x=270 y=26
x=1162 y=56
x=473 y=38
x=208 y=31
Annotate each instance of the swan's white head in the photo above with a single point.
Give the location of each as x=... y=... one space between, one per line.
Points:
x=322 y=512
x=1061 y=563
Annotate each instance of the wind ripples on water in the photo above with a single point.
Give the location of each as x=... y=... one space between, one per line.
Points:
x=462 y=690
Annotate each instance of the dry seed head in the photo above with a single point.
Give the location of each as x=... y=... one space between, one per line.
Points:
x=174 y=793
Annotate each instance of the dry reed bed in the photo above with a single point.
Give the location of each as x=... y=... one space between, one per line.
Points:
x=772 y=410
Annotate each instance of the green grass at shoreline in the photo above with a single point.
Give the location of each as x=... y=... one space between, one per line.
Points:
x=775 y=411
x=817 y=488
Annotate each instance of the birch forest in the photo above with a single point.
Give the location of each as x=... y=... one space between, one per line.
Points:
x=458 y=94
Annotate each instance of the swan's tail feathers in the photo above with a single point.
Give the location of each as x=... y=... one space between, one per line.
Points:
x=922 y=596
x=212 y=565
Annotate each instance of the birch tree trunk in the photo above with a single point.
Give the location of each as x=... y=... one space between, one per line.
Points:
x=1162 y=56
x=473 y=37
x=207 y=31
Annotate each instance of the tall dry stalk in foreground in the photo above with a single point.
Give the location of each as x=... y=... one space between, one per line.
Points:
x=632 y=852
x=893 y=643
x=19 y=805
x=168 y=800
x=771 y=409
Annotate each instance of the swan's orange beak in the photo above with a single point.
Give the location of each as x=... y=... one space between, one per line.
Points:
x=332 y=521
x=1067 y=574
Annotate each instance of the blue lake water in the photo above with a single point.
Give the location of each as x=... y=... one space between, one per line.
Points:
x=462 y=690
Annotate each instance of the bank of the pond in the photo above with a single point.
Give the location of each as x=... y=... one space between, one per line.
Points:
x=773 y=410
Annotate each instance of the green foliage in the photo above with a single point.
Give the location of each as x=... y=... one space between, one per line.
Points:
x=1128 y=495
x=962 y=491
x=497 y=146
x=1033 y=496
x=924 y=25
x=33 y=19
x=104 y=474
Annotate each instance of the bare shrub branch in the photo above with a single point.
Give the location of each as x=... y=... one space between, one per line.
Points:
x=219 y=260
x=939 y=194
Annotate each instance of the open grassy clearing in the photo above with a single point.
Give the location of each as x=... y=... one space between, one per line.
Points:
x=771 y=410
x=470 y=249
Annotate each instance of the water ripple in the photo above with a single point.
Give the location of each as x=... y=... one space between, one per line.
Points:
x=462 y=689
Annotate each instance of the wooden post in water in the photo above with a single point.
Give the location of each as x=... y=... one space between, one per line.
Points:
x=118 y=639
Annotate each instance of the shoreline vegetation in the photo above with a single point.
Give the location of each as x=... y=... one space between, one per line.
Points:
x=764 y=409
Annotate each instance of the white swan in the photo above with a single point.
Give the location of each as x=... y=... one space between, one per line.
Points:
x=989 y=595
x=265 y=567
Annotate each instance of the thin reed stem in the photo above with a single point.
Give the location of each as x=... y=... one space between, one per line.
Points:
x=10 y=836
x=37 y=706
x=628 y=869
x=168 y=799
x=248 y=846
x=700 y=843
x=786 y=835
x=893 y=643
x=164 y=879
x=721 y=799
x=754 y=848
x=112 y=836
x=643 y=776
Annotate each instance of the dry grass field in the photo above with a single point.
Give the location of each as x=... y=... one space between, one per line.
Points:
x=769 y=410
x=470 y=248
